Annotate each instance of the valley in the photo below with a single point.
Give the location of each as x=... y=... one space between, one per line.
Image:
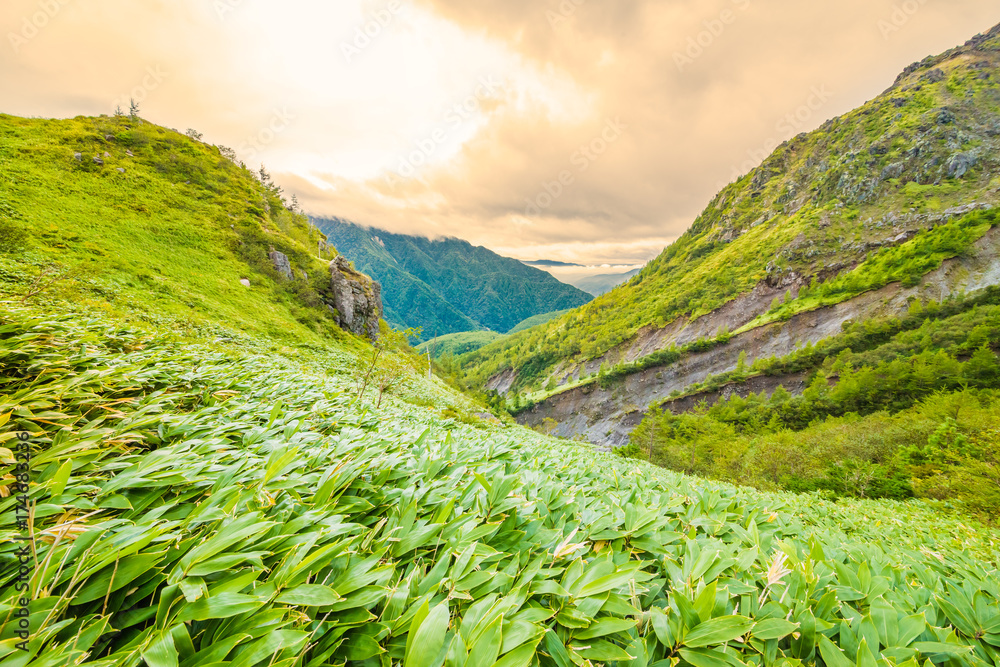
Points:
x=237 y=434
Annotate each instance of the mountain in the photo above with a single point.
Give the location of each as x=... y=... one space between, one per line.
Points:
x=449 y=286
x=151 y=224
x=209 y=468
x=605 y=282
x=888 y=206
x=457 y=344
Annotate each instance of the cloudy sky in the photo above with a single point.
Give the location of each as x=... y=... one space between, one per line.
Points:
x=591 y=131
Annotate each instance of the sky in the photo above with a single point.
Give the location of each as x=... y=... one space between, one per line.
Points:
x=587 y=131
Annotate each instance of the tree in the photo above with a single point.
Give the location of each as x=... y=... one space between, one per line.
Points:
x=741 y=363
x=118 y=111
x=983 y=368
x=133 y=109
x=194 y=134
x=389 y=375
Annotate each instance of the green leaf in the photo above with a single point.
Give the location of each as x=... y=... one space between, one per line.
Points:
x=426 y=640
x=601 y=650
x=717 y=631
x=832 y=655
x=605 y=626
x=522 y=656
x=661 y=626
x=865 y=657
x=222 y=605
x=309 y=595
x=941 y=648
x=487 y=648
x=360 y=647
x=161 y=653
x=773 y=628
x=60 y=478
x=703 y=657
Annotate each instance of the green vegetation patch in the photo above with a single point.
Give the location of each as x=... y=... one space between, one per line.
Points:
x=196 y=508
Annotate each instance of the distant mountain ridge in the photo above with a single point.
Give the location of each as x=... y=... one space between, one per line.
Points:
x=448 y=286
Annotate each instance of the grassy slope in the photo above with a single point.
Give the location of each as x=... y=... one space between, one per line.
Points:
x=457 y=344
x=168 y=240
x=201 y=502
x=810 y=209
x=236 y=509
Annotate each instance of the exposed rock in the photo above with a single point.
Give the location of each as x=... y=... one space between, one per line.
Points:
x=107 y=154
x=244 y=282
x=894 y=170
x=109 y=137
x=357 y=299
x=78 y=157
x=959 y=165
x=129 y=153
x=606 y=417
x=934 y=76
x=281 y=263
x=98 y=161
x=945 y=117
x=120 y=170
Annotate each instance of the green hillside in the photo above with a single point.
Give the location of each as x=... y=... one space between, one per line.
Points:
x=457 y=344
x=848 y=208
x=535 y=320
x=165 y=240
x=893 y=408
x=447 y=285
x=196 y=473
x=232 y=509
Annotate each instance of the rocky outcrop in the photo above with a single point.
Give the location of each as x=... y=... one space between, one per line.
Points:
x=357 y=299
x=281 y=264
x=608 y=416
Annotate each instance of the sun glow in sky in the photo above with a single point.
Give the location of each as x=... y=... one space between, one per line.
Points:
x=590 y=131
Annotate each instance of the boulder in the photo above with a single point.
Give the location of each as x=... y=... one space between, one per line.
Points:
x=356 y=298
x=98 y=161
x=281 y=263
x=78 y=157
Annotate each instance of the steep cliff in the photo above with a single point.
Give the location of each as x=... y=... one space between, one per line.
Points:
x=356 y=299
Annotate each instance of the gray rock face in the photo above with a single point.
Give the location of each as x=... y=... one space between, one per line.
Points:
x=357 y=299
x=960 y=164
x=894 y=170
x=281 y=263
